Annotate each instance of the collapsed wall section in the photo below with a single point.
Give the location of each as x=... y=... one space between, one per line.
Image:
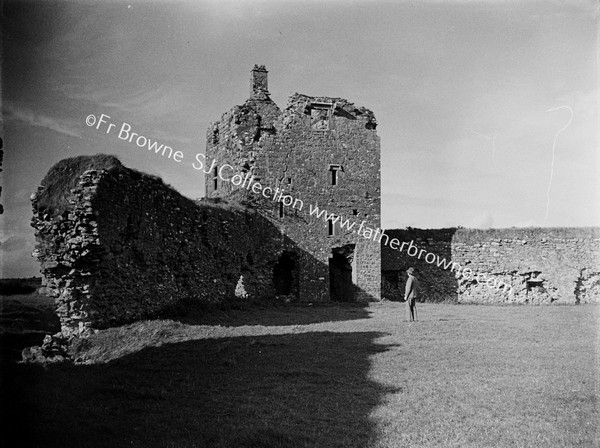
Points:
x=126 y=246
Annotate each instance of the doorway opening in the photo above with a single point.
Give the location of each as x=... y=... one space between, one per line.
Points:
x=285 y=276
x=341 y=287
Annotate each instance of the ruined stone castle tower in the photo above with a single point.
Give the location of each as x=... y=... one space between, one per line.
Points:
x=319 y=152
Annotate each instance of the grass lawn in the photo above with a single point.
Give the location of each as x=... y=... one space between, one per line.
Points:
x=463 y=376
x=24 y=321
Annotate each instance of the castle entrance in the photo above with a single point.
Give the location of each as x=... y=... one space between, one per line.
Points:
x=341 y=288
x=284 y=274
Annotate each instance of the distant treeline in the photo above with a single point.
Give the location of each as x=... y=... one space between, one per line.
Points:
x=12 y=286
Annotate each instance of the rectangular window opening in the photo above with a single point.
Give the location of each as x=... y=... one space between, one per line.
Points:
x=330 y=227
x=333 y=176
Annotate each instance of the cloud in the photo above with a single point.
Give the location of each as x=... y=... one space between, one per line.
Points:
x=156 y=101
x=18 y=200
x=143 y=107
x=527 y=223
x=13 y=244
x=419 y=200
x=19 y=263
x=482 y=221
x=16 y=112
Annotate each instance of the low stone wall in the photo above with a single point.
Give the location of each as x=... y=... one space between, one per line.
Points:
x=541 y=265
x=127 y=246
x=530 y=265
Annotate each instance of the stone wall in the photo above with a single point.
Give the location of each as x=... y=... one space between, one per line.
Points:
x=529 y=265
x=541 y=265
x=1 y=160
x=319 y=151
x=126 y=246
x=438 y=285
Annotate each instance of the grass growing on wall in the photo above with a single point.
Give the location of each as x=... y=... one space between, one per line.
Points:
x=470 y=236
x=64 y=176
x=463 y=376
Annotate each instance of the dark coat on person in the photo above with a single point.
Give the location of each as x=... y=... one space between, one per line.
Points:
x=412 y=288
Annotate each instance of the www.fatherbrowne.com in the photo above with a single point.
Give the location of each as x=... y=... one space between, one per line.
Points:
x=248 y=182
x=377 y=235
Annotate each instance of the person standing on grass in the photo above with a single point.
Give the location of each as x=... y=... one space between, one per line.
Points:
x=411 y=292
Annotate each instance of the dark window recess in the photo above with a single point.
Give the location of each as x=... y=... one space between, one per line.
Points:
x=289 y=180
x=330 y=228
x=285 y=275
x=216 y=178
x=355 y=212
x=333 y=173
x=391 y=278
x=281 y=209
x=536 y=283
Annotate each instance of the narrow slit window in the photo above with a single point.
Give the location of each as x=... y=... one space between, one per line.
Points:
x=333 y=174
x=330 y=227
x=216 y=178
x=281 y=209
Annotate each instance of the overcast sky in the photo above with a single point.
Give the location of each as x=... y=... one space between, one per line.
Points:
x=486 y=108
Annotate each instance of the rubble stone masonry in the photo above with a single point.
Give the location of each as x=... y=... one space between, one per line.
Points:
x=116 y=245
x=323 y=152
x=538 y=265
x=127 y=246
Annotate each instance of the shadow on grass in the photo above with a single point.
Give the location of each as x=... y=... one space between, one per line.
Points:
x=295 y=390
x=267 y=313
